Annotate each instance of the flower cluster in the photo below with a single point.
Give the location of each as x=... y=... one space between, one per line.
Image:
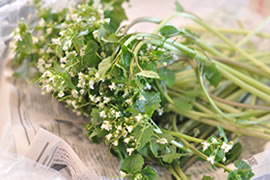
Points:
x=216 y=149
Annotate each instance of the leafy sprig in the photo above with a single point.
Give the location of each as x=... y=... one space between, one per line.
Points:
x=143 y=92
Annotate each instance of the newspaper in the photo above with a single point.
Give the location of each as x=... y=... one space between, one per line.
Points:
x=47 y=134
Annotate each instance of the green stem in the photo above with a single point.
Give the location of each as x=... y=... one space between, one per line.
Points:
x=174 y=173
x=253 y=33
x=186 y=137
x=180 y=172
x=229 y=31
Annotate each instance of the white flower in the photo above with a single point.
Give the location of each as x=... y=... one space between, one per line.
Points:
x=49 y=30
x=56 y=41
x=119 y=128
x=48 y=65
x=205 y=145
x=141 y=98
x=112 y=86
x=118 y=114
x=74 y=104
x=211 y=159
x=95 y=34
x=106 y=99
x=147 y=87
x=113 y=111
x=101 y=105
x=130 y=150
x=224 y=159
x=106 y=125
x=102 y=114
x=160 y=111
x=162 y=141
x=226 y=147
x=107 y=20
x=129 y=101
x=126 y=140
x=97 y=75
x=214 y=140
x=82 y=53
x=67 y=45
x=92 y=98
x=61 y=94
x=139 y=117
x=41 y=22
x=115 y=143
x=91 y=84
x=97 y=99
x=71 y=74
x=129 y=128
x=122 y=174
x=82 y=91
x=108 y=136
x=35 y=39
x=74 y=93
x=61 y=33
x=124 y=133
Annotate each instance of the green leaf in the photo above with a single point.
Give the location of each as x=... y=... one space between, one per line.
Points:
x=207 y=178
x=117 y=14
x=149 y=173
x=182 y=103
x=150 y=104
x=148 y=74
x=240 y=164
x=234 y=153
x=167 y=75
x=59 y=51
x=133 y=163
x=212 y=74
x=168 y=158
x=243 y=171
x=222 y=133
x=154 y=148
x=26 y=44
x=179 y=7
x=219 y=155
x=168 y=31
x=126 y=57
x=104 y=66
x=91 y=59
x=143 y=136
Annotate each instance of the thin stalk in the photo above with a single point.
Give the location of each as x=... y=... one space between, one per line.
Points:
x=241 y=65
x=235 y=96
x=180 y=172
x=174 y=173
x=228 y=31
x=186 y=137
x=253 y=33
x=227 y=41
x=266 y=108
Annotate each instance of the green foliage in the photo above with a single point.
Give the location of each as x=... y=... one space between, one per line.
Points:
x=167 y=76
x=243 y=171
x=148 y=74
x=104 y=66
x=179 y=7
x=207 y=178
x=82 y=58
x=132 y=164
x=212 y=74
x=168 y=31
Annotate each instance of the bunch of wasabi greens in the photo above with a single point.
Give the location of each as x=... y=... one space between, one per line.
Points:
x=164 y=98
